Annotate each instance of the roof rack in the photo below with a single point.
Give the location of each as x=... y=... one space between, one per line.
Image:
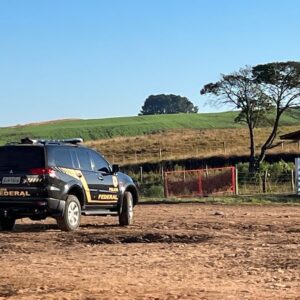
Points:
x=73 y=141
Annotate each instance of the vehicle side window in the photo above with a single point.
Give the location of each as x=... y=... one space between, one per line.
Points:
x=74 y=158
x=62 y=158
x=84 y=159
x=99 y=163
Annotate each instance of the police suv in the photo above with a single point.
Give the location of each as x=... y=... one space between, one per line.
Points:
x=61 y=179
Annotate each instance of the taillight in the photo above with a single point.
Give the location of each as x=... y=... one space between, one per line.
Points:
x=42 y=171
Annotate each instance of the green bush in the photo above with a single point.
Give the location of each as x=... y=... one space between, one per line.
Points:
x=153 y=191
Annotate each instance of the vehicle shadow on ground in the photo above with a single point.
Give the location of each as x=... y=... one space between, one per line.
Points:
x=20 y=228
x=94 y=225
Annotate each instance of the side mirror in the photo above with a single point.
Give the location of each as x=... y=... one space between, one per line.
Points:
x=115 y=169
x=104 y=170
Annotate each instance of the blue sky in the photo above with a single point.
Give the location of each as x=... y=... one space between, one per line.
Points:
x=103 y=58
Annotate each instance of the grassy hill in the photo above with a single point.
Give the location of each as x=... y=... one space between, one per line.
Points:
x=112 y=127
x=160 y=137
x=96 y=129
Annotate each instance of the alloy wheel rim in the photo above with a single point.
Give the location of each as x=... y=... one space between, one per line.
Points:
x=73 y=214
x=130 y=209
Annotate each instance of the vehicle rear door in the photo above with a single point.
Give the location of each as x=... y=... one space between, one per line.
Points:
x=88 y=177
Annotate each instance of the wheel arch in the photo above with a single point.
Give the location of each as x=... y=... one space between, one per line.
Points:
x=77 y=191
x=133 y=192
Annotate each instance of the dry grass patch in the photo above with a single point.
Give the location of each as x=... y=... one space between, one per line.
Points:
x=186 y=143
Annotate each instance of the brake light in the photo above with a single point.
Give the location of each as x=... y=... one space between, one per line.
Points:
x=42 y=171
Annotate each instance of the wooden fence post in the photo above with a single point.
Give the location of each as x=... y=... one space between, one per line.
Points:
x=224 y=147
x=141 y=174
x=292 y=181
x=264 y=182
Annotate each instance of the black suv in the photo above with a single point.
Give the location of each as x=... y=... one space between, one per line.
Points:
x=61 y=179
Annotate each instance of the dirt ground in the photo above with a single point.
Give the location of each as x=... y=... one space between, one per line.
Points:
x=182 y=251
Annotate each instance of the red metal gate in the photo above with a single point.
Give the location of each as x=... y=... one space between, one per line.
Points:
x=199 y=183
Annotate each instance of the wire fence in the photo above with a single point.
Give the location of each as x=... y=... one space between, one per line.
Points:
x=266 y=182
x=135 y=156
x=216 y=182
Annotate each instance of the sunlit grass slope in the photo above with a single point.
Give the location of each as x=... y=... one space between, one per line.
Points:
x=96 y=129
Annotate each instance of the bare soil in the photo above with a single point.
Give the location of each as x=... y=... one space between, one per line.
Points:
x=182 y=251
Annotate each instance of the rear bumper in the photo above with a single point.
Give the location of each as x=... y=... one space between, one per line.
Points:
x=39 y=208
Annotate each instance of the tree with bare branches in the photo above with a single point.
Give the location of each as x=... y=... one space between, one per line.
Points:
x=261 y=94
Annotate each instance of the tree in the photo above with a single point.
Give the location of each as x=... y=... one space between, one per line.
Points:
x=167 y=104
x=258 y=93
x=280 y=82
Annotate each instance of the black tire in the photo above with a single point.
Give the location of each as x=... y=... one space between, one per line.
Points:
x=70 y=220
x=126 y=214
x=7 y=223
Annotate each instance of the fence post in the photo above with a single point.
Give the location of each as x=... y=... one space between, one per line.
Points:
x=293 y=180
x=236 y=181
x=200 y=190
x=264 y=183
x=166 y=192
x=224 y=147
x=206 y=170
x=141 y=174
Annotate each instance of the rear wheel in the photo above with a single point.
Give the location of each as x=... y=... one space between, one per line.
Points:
x=70 y=220
x=126 y=214
x=7 y=223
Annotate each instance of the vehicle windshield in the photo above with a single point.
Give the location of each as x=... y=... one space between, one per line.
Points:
x=21 y=158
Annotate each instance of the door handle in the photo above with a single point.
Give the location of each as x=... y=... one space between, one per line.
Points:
x=100 y=177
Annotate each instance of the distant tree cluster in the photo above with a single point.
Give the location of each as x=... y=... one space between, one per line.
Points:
x=167 y=104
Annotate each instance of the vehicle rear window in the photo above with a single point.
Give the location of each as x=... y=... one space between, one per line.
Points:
x=21 y=158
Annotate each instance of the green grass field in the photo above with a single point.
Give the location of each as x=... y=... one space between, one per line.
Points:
x=95 y=129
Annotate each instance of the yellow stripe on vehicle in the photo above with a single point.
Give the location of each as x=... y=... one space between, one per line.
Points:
x=79 y=176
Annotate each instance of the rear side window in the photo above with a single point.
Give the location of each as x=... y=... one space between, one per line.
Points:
x=21 y=157
x=60 y=157
x=84 y=159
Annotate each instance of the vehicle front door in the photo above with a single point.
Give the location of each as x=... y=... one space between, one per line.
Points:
x=108 y=186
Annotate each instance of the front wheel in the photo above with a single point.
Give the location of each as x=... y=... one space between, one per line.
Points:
x=126 y=214
x=7 y=223
x=70 y=220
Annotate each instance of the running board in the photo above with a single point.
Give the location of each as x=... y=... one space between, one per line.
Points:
x=99 y=212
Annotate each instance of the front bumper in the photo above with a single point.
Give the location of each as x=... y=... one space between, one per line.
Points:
x=37 y=207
